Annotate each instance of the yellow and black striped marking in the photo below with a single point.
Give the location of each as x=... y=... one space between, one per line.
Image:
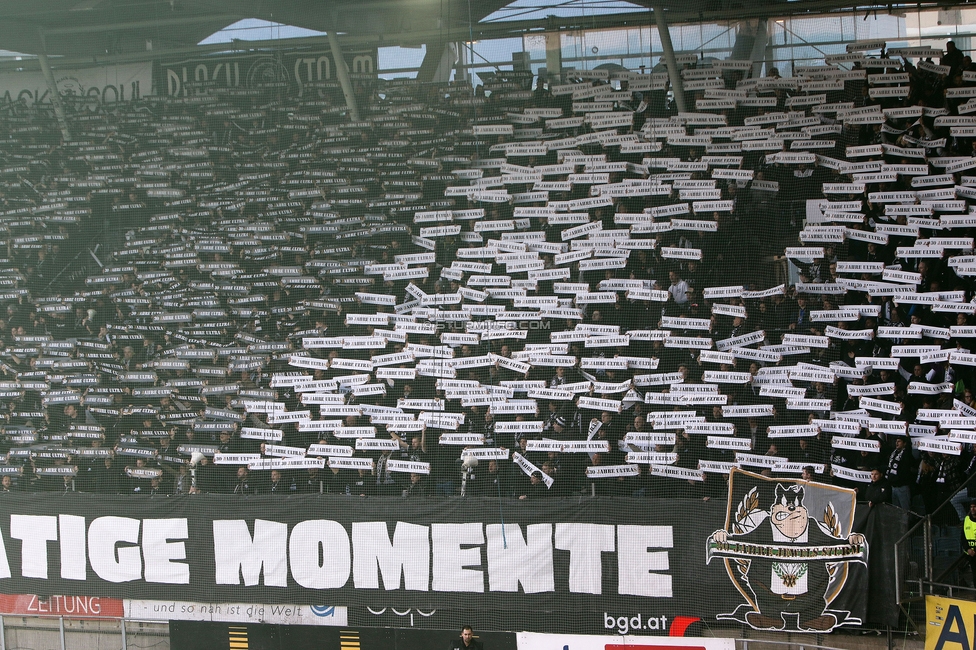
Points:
x=349 y=640
x=237 y=637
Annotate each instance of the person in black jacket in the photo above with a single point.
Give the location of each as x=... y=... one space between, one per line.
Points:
x=277 y=485
x=244 y=485
x=535 y=489
x=876 y=492
x=494 y=482
x=206 y=477
x=952 y=58
x=901 y=473
x=467 y=640
x=417 y=486
x=108 y=480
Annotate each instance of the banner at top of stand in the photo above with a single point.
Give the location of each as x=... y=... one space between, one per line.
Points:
x=105 y=84
x=301 y=73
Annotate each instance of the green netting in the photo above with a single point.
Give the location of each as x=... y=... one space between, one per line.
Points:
x=541 y=289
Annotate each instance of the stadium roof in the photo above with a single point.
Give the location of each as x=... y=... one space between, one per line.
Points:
x=100 y=30
x=99 y=27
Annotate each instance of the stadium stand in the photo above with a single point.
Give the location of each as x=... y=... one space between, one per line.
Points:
x=574 y=284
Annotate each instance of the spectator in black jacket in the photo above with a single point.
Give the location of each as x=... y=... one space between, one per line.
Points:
x=535 y=489
x=417 y=486
x=244 y=485
x=901 y=473
x=876 y=492
x=108 y=478
x=952 y=58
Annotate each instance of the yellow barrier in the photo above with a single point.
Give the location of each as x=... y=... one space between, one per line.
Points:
x=950 y=623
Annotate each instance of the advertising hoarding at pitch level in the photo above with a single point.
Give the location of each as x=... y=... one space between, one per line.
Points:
x=211 y=636
x=95 y=607
x=531 y=641
x=75 y=607
x=951 y=623
x=189 y=635
x=180 y=610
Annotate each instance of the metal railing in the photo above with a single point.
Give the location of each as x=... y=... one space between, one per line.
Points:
x=915 y=560
x=754 y=644
x=749 y=644
x=65 y=633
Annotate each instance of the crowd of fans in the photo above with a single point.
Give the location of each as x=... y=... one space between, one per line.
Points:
x=516 y=292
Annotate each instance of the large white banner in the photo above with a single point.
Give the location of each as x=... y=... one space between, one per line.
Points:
x=108 y=84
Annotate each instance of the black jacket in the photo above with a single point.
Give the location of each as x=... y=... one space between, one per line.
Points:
x=876 y=492
x=459 y=645
x=902 y=468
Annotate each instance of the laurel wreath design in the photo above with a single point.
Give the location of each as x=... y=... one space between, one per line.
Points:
x=748 y=505
x=830 y=520
x=790 y=574
x=832 y=523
